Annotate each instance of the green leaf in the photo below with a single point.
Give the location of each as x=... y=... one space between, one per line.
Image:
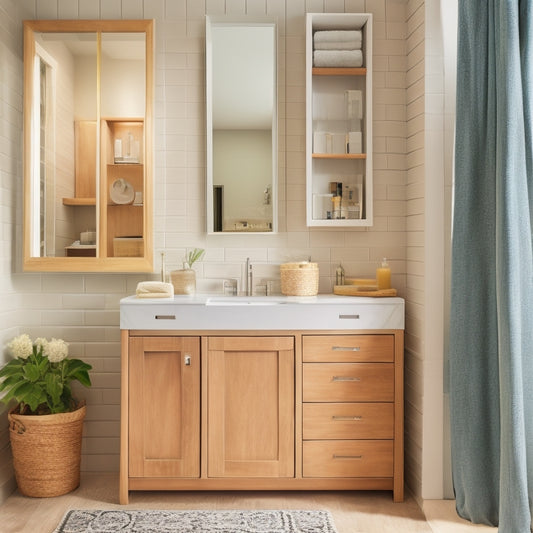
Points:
x=78 y=370
x=43 y=366
x=83 y=377
x=31 y=371
x=54 y=387
x=76 y=364
x=13 y=366
x=10 y=381
x=34 y=398
x=27 y=393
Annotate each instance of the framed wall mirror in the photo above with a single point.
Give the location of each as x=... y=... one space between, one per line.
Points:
x=88 y=135
x=241 y=96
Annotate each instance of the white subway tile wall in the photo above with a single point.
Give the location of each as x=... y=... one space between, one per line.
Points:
x=83 y=309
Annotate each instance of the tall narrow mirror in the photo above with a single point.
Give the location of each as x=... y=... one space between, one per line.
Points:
x=241 y=90
x=88 y=145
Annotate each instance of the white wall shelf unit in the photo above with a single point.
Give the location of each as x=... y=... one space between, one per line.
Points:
x=339 y=119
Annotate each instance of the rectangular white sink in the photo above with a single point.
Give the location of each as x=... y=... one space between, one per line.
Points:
x=217 y=312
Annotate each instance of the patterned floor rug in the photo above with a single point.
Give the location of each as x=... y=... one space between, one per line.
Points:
x=202 y=521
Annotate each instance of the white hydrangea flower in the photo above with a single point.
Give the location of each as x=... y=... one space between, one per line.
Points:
x=56 y=350
x=40 y=342
x=21 y=346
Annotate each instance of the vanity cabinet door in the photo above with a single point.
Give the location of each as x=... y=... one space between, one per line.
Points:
x=164 y=407
x=250 y=406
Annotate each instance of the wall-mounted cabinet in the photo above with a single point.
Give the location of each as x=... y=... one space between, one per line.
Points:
x=339 y=119
x=88 y=145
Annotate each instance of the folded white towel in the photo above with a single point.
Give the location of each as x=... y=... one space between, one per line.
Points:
x=322 y=36
x=154 y=289
x=338 y=40
x=344 y=45
x=338 y=58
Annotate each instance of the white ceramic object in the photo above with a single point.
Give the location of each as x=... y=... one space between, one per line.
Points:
x=204 y=312
x=122 y=191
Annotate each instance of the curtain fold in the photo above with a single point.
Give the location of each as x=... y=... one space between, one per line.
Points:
x=491 y=322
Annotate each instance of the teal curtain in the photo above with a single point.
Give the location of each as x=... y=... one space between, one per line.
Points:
x=491 y=322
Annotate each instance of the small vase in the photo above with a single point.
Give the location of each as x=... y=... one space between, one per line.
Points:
x=184 y=281
x=46 y=452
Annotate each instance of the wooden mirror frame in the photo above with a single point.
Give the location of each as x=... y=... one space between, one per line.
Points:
x=100 y=263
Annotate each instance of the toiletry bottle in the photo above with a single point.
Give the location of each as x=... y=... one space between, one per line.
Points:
x=383 y=275
x=339 y=275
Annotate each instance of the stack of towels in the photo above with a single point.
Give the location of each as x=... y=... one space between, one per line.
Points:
x=338 y=48
x=154 y=289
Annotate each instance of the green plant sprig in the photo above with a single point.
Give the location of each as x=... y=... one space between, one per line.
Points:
x=193 y=256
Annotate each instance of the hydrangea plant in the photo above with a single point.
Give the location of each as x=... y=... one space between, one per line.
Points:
x=39 y=376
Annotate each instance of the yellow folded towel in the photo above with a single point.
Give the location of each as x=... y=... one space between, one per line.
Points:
x=155 y=289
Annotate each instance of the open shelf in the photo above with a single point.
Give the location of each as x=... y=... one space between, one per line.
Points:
x=339 y=156
x=79 y=201
x=339 y=113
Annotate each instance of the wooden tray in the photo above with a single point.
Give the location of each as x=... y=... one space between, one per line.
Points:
x=354 y=290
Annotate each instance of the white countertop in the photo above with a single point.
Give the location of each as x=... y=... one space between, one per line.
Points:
x=218 y=312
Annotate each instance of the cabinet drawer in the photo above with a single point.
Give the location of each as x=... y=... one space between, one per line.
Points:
x=348 y=382
x=347 y=458
x=348 y=348
x=348 y=421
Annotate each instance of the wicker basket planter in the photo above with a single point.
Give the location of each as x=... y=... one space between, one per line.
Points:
x=46 y=452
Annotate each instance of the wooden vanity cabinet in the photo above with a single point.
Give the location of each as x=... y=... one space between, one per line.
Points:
x=262 y=410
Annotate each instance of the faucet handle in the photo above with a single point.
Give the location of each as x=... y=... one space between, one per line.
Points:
x=230 y=286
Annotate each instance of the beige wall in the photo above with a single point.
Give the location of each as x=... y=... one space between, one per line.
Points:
x=426 y=244
x=84 y=309
x=415 y=192
x=10 y=174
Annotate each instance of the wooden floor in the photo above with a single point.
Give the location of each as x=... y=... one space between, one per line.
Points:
x=353 y=512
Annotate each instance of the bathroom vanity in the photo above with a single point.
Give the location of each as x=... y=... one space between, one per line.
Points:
x=262 y=393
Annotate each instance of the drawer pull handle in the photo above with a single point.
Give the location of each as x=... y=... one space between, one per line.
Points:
x=345 y=378
x=356 y=317
x=335 y=456
x=346 y=348
x=342 y=418
x=165 y=317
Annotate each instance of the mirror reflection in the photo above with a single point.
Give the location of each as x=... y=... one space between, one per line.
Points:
x=86 y=107
x=242 y=126
x=64 y=92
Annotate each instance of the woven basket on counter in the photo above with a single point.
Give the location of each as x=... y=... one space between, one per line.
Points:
x=47 y=452
x=299 y=279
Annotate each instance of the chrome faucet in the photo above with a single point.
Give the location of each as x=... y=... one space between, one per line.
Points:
x=249 y=278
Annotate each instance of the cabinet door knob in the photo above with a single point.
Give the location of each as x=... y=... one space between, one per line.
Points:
x=187 y=360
